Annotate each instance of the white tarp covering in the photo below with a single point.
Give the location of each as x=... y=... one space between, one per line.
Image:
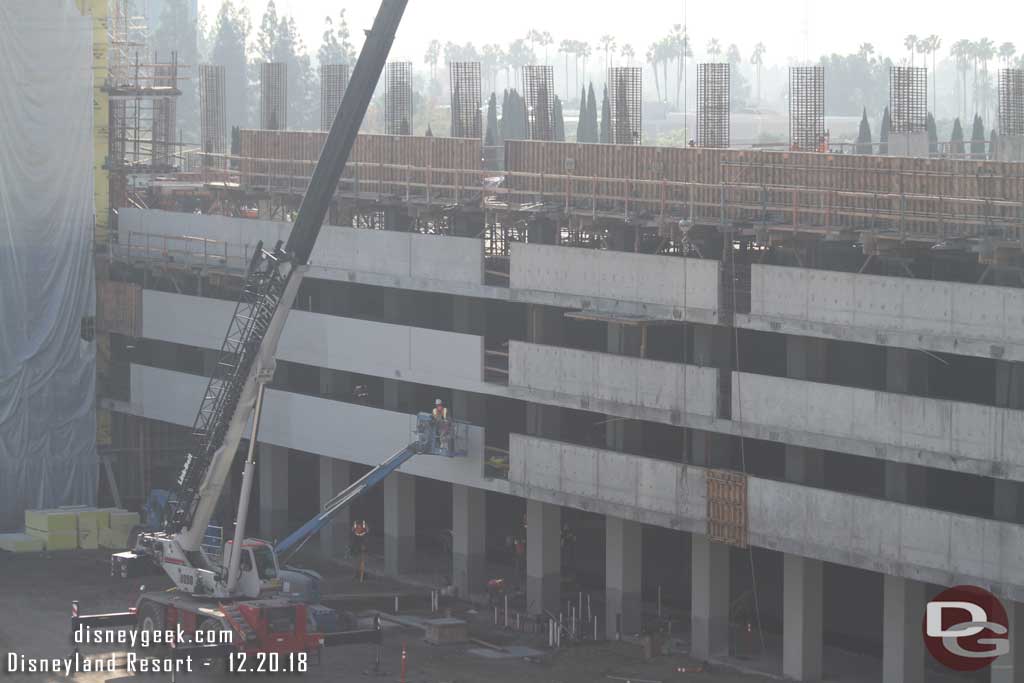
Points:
x=47 y=372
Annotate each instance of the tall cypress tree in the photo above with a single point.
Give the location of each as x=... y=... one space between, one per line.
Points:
x=582 y=134
x=956 y=140
x=883 y=133
x=592 y=129
x=606 y=118
x=864 y=134
x=559 y=121
x=978 y=138
x=493 y=136
x=503 y=126
x=933 y=135
x=993 y=149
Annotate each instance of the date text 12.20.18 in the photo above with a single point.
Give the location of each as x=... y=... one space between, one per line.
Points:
x=268 y=662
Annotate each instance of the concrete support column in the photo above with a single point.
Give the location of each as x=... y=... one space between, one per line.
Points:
x=467 y=407
x=623 y=435
x=272 y=465
x=469 y=538
x=468 y=315
x=902 y=643
x=334 y=478
x=399 y=524
x=1009 y=394
x=623 y=574
x=806 y=359
x=710 y=596
x=1010 y=667
x=802 y=627
x=543 y=557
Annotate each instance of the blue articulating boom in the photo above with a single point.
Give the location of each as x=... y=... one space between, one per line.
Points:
x=427 y=442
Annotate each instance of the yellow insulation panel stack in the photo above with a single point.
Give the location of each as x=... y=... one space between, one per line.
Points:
x=21 y=543
x=57 y=529
x=120 y=523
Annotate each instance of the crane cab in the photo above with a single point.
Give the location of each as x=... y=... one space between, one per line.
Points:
x=259 y=572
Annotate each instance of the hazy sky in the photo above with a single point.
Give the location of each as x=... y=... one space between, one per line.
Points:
x=789 y=29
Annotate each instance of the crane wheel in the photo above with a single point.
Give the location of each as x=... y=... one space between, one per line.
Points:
x=151 y=617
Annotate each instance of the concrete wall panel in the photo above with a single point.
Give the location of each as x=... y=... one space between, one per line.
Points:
x=661 y=280
x=319 y=426
x=381 y=252
x=889 y=304
x=588 y=378
x=958 y=436
x=384 y=350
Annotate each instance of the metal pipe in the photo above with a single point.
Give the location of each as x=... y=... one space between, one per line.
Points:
x=243 y=499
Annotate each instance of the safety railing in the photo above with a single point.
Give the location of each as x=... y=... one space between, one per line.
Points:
x=496 y=364
x=183 y=250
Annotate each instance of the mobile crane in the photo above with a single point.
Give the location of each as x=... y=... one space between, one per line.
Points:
x=238 y=591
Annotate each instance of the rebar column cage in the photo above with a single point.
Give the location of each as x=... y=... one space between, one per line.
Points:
x=274 y=96
x=908 y=99
x=539 y=83
x=213 y=126
x=625 y=95
x=398 y=111
x=713 y=104
x=465 y=89
x=1011 y=101
x=333 y=83
x=806 y=107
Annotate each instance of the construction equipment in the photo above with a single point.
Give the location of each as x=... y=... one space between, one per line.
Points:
x=239 y=592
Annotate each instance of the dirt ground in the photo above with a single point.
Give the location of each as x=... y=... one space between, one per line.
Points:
x=35 y=603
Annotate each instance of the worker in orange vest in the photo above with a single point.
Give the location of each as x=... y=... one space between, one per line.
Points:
x=360 y=530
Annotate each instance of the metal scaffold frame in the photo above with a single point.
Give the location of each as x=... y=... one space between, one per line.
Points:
x=713 y=104
x=213 y=123
x=465 y=100
x=625 y=93
x=274 y=96
x=908 y=99
x=1011 y=101
x=806 y=107
x=539 y=83
x=333 y=84
x=398 y=109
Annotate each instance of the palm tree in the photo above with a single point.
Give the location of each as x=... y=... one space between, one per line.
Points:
x=866 y=50
x=678 y=45
x=910 y=42
x=985 y=50
x=932 y=45
x=733 y=56
x=757 y=59
x=608 y=44
x=585 y=53
x=566 y=48
x=714 y=49
x=1006 y=52
x=545 y=41
x=490 y=61
x=653 y=57
x=432 y=56
x=961 y=51
x=628 y=53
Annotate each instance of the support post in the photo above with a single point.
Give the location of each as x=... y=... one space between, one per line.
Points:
x=399 y=524
x=710 y=595
x=902 y=642
x=802 y=626
x=623 y=575
x=543 y=557
x=469 y=536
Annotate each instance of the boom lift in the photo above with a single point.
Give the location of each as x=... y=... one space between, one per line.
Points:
x=239 y=591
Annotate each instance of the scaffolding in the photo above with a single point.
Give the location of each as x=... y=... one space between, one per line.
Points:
x=333 y=84
x=213 y=122
x=626 y=96
x=806 y=108
x=274 y=96
x=539 y=83
x=1011 y=102
x=142 y=114
x=398 y=109
x=908 y=99
x=713 y=105
x=465 y=90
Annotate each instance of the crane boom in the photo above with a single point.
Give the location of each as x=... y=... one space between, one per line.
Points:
x=268 y=296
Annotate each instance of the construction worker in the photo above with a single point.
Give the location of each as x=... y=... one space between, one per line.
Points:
x=441 y=426
x=360 y=531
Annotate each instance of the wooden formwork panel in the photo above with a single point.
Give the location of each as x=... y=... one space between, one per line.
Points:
x=382 y=164
x=119 y=308
x=727 y=507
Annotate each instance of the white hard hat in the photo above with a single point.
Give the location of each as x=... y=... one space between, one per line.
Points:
x=437 y=402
